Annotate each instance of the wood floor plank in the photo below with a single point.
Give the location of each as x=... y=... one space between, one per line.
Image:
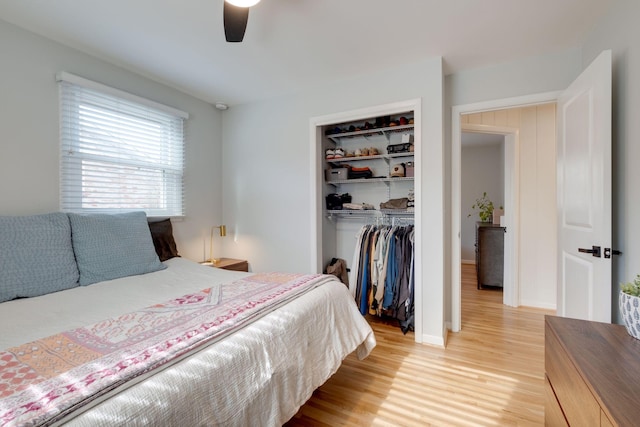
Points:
x=490 y=374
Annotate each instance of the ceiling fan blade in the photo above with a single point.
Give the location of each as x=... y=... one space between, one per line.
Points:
x=235 y=22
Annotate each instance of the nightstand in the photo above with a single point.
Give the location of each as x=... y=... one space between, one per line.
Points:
x=232 y=264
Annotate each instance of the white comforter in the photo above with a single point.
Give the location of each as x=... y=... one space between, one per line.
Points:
x=260 y=375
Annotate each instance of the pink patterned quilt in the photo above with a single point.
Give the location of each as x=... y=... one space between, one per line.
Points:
x=44 y=380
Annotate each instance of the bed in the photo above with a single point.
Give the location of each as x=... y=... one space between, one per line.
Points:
x=258 y=371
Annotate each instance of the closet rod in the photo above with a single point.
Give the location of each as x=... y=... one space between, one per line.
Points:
x=402 y=221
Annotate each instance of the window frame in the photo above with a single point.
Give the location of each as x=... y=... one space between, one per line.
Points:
x=169 y=130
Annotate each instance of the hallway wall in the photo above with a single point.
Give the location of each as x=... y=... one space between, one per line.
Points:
x=482 y=171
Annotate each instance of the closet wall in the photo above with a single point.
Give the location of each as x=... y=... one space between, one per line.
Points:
x=270 y=184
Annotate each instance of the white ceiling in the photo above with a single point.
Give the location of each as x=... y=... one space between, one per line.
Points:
x=293 y=44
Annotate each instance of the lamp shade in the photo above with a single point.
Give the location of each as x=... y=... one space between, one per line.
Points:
x=243 y=3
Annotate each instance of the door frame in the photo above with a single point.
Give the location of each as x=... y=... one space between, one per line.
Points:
x=511 y=168
x=456 y=189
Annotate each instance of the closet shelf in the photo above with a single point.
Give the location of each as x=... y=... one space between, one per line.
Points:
x=381 y=215
x=377 y=156
x=353 y=212
x=398 y=212
x=368 y=132
x=356 y=158
x=368 y=180
x=396 y=155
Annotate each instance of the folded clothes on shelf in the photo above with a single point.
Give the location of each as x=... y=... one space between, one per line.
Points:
x=401 y=203
x=357 y=206
x=355 y=173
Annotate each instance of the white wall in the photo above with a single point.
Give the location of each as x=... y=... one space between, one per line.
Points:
x=266 y=189
x=267 y=194
x=550 y=72
x=30 y=133
x=538 y=74
x=620 y=32
x=538 y=207
x=482 y=171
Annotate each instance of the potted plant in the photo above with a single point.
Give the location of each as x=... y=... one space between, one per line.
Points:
x=629 y=303
x=484 y=207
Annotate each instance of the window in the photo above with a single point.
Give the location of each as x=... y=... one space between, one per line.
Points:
x=118 y=152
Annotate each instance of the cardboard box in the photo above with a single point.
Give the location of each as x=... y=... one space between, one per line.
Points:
x=407 y=138
x=408 y=169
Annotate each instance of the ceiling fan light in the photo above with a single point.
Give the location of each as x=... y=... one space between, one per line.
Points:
x=243 y=3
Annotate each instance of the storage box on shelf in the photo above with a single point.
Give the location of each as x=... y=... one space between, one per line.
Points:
x=337 y=174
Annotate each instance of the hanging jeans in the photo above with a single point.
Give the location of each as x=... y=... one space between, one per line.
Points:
x=392 y=274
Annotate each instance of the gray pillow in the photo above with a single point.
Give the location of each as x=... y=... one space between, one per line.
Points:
x=109 y=246
x=36 y=256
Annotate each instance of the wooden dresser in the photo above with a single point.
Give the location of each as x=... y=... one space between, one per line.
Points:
x=233 y=264
x=592 y=374
x=489 y=254
x=229 y=264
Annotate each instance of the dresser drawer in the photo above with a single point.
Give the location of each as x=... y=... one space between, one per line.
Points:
x=604 y=421
x=553 y=416
x=573 y=394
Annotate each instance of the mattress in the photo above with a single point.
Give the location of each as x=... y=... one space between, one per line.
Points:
x=259 y=375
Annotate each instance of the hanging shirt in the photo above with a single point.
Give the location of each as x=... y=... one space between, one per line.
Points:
x=355 y=264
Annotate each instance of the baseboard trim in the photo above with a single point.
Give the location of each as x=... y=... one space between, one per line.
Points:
x=434 y=340
x=537 y=304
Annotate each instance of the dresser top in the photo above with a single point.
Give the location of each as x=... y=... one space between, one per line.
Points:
x=608 y=359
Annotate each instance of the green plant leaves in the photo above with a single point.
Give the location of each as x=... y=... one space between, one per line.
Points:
x=631 y=288
x=484 y=206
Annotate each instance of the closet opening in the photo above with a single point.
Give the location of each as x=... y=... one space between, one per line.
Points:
x=365 y=178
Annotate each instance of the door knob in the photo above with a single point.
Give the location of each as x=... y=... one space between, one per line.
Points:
x=594 y=251
x=608 y=252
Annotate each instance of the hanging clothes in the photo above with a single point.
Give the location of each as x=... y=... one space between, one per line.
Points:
x=355 y=265
x=382 y=273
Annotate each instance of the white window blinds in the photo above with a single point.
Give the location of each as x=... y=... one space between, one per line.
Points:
x=119 y=152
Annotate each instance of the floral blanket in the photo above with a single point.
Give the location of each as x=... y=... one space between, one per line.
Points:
x=44 y=380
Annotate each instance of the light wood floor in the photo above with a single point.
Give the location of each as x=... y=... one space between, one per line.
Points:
x=490 y=374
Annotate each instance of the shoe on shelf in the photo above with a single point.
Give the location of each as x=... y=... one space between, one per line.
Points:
x=338 y=153
x=329 y=154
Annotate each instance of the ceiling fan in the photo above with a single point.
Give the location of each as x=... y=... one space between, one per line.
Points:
x=236 y=15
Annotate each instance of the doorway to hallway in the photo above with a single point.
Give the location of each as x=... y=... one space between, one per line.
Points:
x=528 y=126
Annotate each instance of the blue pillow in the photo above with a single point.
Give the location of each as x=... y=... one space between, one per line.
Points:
x=36 y=256
x=109 y=246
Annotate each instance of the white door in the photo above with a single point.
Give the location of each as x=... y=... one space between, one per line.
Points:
x=584 y=194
